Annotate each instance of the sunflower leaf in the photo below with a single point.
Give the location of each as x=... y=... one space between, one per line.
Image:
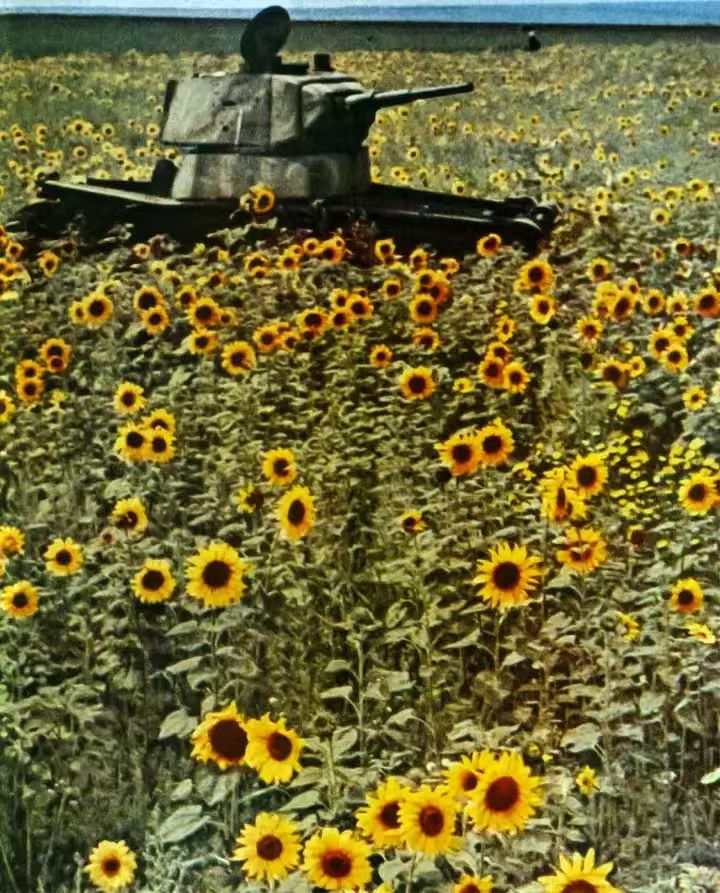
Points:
x=181 y=824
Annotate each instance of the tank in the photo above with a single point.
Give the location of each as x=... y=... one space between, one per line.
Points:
x=299 y=130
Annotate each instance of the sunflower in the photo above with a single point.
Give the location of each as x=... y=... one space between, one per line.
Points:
x=221 y=737
x=238 y=357
x=492 y=372
x=12 y=541
x=215 y=575
x=340 y=319
x=412 y=523
x=30 y=390
x=675 y=358
x=312 y=322
x=296 y=512
x=598 y=269
x=489 y=245
x=462 y=777
x=584 y=550
x=698 y=493
x=7 y=407
x=269 y=848
x=202 y=342
x=63 y=557
x=130 y=515
x=261 y=199
x=266 y=337
x=154 y=581
x=702 y=632
x=707 y=302
x=147 y=297
x=504 y=328
x=508 y=576
x=384 y=251
x=155 y=321
x=279 y=467
x=111 y=865
x=391 y=289
x=653 y=301
x=423 y=309
x=336 y=860
x=417 y=383
x=581 y=875
x=542 y=308
x=694 y=398
x=495 y=442
x=185 y=296
x=463 y=385
x=28 y=370
x=273 y=750
x=20 y=600
x=686 y=596
x=97 y=309
x=55 y=354
x=249 y=499
x=515 y=377
x=380 y=819
x=159 y=445
x=128 y=398
x=560 y=500
x=380 y=356
x=660 y=341
x=418 y=259
x=471 y=883
x=427 y=821
x=506 y=796
x=426 y=338
x=360 y=307
x=460 y=452
x=160 y=419
x=587 y=782
x=536 y=276
x=331 y=251
x=203 y=313
x=630 y=625
x=498 y=350
x=588 y=474
x=614 y=373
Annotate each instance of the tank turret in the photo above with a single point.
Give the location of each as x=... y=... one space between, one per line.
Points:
x=299 y=131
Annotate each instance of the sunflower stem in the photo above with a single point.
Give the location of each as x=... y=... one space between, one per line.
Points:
x=411 y=873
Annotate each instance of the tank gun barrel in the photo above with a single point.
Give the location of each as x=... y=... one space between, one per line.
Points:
x=372 y=99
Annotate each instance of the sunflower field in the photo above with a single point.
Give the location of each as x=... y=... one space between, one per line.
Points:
x=398 y=575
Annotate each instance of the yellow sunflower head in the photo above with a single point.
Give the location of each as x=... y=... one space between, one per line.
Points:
x=462 y=777
x=584 y=550
x=238 y=357
x=279 y=467
x=273 y=749
x=579 y=875
x=587 y=475
x=508 y=576
x=296 y=512
x=686 y=596
x=417 y=383
x=380 y=819
x=506 y=797
x=427 y=821
x=216 y=575
x=221 y=738
x=128 y=398
x=698 y=493
x=472 y=883
x=269 y=849
x=496 y=443
x=63 y=557
x=154 y=581
x=130 y=515
x=20 y=600
x=111 y=865
x=336 y=860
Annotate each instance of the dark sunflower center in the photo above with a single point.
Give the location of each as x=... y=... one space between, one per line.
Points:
x=613 y=373
x=535 y=274
x=417 y=384
x=358 y=308
x=96 y=308
x=55 y=363
x=586 y=476
x=431 y=821
x=336 y=864
x=128 y=521
x=146 y=301
x=393 y=289
x=469 y=781
x=228 y=739
x=506 y=575
x=159 y=445
x=313 y=319
x=590 y=331
x=267 y=338
x=216 y=574
x=390 y=815
x=202 y=341
x=153 y=580
x=543 y=307
x=579 y=887
x=598 y=269
x=155 y=319
x=492 y=370
x=30 y=389
x=279 y=746
x=3 y=406
x=203 y=312
x=515 y=377
x=685 y=597
x=697 y=492
x=424 y=308
x=502 y=794
x=20 y=600
x=470 y=888
x=134 y=440
x=238 y=358
x=296 y=512
x=111 y=866
x=492 y=443
x=54 y=350
x=63 y=557
x=490 y=243
x=674 y=356
x=461 y=452
x=269 y=847
x=622 y=307
x=128 y=398
x=410 y=523
x=707 y=302
x=281 y=467
x=255 y=499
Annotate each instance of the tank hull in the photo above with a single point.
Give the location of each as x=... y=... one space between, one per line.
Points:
x=410 y=216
